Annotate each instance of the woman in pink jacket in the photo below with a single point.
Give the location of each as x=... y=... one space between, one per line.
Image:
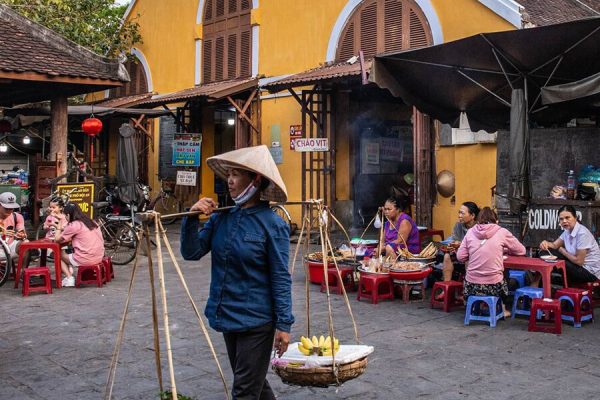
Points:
x=483 y=248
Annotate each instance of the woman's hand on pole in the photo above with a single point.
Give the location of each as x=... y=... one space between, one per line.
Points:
x=206 y=205
x=282 y=339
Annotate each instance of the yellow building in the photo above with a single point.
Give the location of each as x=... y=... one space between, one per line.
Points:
x=202 y=56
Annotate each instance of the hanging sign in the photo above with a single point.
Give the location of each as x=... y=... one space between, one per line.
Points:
x=81 y=194
x=186 y=152
x=311 y=144
x=186 y=178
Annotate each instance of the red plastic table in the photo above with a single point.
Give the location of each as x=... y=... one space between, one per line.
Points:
x=43 y=245
x=538 y=265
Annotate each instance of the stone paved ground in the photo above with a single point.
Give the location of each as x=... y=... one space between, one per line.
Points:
x=60 y=346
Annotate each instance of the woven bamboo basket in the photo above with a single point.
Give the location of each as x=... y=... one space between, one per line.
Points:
x=320 y=376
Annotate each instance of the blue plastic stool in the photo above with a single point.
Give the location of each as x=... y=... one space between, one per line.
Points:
x=519 y=276
x=526 y=291
x=473 y=308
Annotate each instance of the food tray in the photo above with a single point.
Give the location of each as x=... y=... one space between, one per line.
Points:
x=364 y=271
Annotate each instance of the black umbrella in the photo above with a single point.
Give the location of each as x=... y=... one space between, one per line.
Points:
x=127 y=167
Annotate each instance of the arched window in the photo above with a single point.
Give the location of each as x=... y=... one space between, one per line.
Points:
x=138 y=82
x=226 y=40
x=384 y=26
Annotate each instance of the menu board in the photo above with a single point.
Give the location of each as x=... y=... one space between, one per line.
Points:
x=81 y=194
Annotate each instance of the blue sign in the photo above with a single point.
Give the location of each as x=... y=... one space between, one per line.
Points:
x=186 y=153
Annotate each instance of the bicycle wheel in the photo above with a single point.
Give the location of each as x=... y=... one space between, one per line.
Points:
x=285 y=215
x=120 y=242
x=167 y=204
x=5 y=263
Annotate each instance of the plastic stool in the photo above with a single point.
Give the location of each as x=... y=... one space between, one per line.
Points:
x=519 y=276
x=581 y=305
x=43 y=272
x=109 y=272
x=594 y=288
x=527 y=291
x=449 y=294
x=547 y=307
x=474 y=308
x=375 y=287
x=90 y=274
x=334 y=281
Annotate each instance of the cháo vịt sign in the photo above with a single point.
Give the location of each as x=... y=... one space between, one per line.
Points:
x=311 y=144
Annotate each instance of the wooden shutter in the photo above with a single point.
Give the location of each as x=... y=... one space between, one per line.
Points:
x=245 y=54
x=347 y=47
x=232 y=6
x=207 y=60
x=220 y=8
x=208 y=10
x=219 y=58
x=393 y=25
x=368 y=30
x=418 y=36
x=232 y=52
x=245 y=5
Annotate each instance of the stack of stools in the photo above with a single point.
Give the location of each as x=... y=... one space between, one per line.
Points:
x=525 y=293
x=42 y=272
x=375 y=287
x=519 y=276
x=90 y=274
x=545 y=316
x=594 y=288
x=580 y=308
x=474 y=312
x=447 y=295
x=335 y=286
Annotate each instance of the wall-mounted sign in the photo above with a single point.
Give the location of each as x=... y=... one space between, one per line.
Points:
x=186 y=152
x=186 y=178
x=311 y=144
x=81 y=194
x=295 y=131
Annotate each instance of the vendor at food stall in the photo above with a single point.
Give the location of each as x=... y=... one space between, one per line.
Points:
x=399 y=228
x=576 y=246
x=467 y=216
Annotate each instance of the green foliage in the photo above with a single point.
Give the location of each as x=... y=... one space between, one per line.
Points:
x=95 y=24
x=168 y=395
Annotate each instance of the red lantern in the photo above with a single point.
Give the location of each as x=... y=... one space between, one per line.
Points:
x=91 y=126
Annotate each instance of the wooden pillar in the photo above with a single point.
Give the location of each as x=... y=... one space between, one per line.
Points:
x=242 y=128
x=424 y=166
x=58 y=139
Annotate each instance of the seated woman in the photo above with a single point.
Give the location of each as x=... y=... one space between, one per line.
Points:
x=86 y=238
x=483 y=247
x=399 y=228
x=577 y=247
x=467 y=215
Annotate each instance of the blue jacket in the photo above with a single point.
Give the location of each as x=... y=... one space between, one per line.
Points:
x=250 y=284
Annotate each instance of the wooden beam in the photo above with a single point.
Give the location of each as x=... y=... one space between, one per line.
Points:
x=242 y=114
x=137 y=124
x=34 y=76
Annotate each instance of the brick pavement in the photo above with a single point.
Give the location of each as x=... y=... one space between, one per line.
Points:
x=60 y=346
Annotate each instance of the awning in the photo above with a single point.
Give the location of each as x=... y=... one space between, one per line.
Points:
x=83 y=110
x=338 y=72
x=476 y=75
x=586 y=87
x=209 y=92
x=125 y=101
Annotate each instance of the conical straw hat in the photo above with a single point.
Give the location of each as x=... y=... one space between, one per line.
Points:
x=256 y=159
x=445 y=183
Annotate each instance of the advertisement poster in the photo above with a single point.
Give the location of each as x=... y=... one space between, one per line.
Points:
x=186 y=152
x=81 y=194
x=186 y=178
x=311 y=144
x=295 y=132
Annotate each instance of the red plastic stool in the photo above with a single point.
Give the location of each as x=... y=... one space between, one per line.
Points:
x=334 y=282
x=449 y=294
x=406 y=286
x=375 y=287
x=90 y=274
x=580 y=305
x=548 y=307
x=593 y=287
x=108 y=271
x=44 y=272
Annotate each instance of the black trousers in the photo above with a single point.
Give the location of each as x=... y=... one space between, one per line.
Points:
x=575 y=273
x=249 y=355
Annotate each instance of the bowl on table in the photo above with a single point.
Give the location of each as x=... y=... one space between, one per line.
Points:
x=549 y=257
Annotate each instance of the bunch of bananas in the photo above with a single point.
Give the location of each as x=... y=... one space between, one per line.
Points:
x=321 y=346
x=428 y=252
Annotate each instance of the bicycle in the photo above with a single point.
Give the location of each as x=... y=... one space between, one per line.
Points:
x=165 y=203
x=280 y=210
x=119 y=233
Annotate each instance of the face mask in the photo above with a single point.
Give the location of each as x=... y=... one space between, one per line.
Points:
x=246 y=194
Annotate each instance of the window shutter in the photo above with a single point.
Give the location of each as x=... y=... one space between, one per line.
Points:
x=232 y=52
x=346 y=50
x=245 y=5
x=207 y=61
x=208 y=11
x=418 y=36
x=368 y=30
x=232 y=6
x=132 y=86
x=220 y=8
x=245 y=54
x=393 y=26
x=219 y=58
